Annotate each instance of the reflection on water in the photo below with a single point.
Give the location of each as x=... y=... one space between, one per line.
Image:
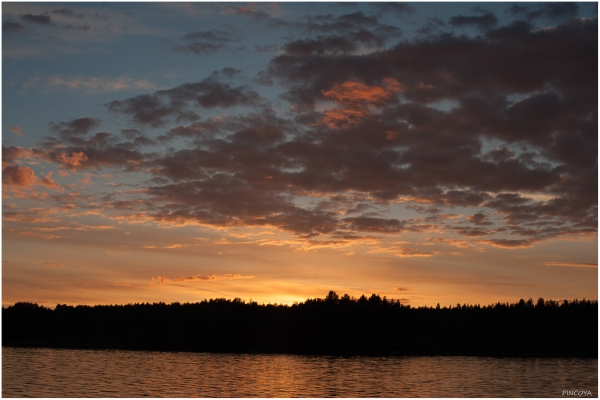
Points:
x=30 y=372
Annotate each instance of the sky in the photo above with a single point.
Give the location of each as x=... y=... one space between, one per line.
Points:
x=427 y=152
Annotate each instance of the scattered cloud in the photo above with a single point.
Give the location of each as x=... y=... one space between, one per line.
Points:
x=363 y=126
x=42 y=19
x=51 y=264
x=163 y=280
x=571 y=264
x=16 y=130
x=483 y=22
x=94 y=84
x=12 y=27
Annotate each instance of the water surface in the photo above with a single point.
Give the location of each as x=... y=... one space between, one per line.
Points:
x=44 y=372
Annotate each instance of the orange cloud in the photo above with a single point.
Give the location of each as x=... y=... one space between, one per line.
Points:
x=352 y=92
x=17 y=176
x=48 y=182
x=510 y=243
x=87 y=179
x=51 y=264
x=33 y=215
x=571 y=264
x=356 y=101
x=402 y=252
x=163 y=280
x=460 y=243
x=16 y=130
x=50 y=237
x=74 y=161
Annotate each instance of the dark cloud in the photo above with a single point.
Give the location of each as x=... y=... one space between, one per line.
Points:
x=354 y=27
x=376 y=225
x=84 y=27
x=321 y=45
x=504 y=123
x=12 y=27
x=482 y=22
x=75 y=128
x=277 y=23
x=223 y=200
x=67 y=12
x=358 y=18
x=42 y=19
x=64 y=11
x=156 y=109
x=400 y=9
x=228 y=72
x=471 y=232
x=13 y=175
x=266 y=48
x=206 y=42
x=552 y=11
x=11 y=153
x=96 y=151
x=479 y=219
x=199 y=48
x=432 y=26
x=213 y=35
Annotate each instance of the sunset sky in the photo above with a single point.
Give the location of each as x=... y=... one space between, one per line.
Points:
x=427 y=152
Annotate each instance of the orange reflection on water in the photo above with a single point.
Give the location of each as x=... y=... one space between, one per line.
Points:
x=114 y=373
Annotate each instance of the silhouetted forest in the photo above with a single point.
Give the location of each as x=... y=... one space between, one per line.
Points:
x=333 y=325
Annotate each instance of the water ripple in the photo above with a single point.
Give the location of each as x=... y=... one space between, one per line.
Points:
x=39 y=372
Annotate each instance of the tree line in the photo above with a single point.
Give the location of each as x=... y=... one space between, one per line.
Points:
x=333 y=325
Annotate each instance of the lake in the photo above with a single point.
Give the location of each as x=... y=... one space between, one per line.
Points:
x=45 y=372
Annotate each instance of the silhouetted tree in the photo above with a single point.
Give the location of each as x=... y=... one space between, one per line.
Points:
x=333 y=325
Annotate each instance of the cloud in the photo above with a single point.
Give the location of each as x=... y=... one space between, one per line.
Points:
x=48 y=182
x=16 y=130
x=84 y=27
x=497 y=130
x=479 y=219
x=509 y=243
x=401 y=251
x=13 y=175
x=94 y=84
x=249 y=11
x=482 y=22
x=42 y=19
x=321 y=45
x=213 y=35
x=400 y=9
x=356 y=101
x=376 y=225
x=571 y=264
x=12 y=27
x=552 y=11
x=75 y=127
x=199 y=48
x=157 y=108
x=67 y=12
x=74 y=161
x=51 y=264
x=163 y=280
x=206 y=42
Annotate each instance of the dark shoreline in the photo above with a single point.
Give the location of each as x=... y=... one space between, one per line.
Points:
x=335 y=326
